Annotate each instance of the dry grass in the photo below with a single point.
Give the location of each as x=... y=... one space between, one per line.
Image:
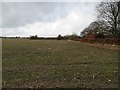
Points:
x=58 y=63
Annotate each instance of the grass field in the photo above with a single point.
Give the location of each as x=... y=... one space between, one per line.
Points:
x=57 y=63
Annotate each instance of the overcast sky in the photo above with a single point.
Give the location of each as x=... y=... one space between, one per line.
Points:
x=46 y=19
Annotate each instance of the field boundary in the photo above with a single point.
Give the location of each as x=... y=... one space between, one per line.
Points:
x=99 y=45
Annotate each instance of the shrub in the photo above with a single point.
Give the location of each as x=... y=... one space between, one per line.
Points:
x=100 y=35
x=59 y=37
x=34 y=37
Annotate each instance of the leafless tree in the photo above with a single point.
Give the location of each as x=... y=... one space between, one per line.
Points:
x=96 y=27
x=108 y=11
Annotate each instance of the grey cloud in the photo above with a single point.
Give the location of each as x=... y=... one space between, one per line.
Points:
x=46 y=18
x=18 y=14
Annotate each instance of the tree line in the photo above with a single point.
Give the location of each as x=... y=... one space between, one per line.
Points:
x=107 y=23
x=74 y=36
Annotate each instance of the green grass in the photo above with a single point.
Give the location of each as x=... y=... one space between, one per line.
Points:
x=57 y=63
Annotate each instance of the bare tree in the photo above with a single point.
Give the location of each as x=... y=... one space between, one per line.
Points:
x=108 y=11
x=84 y=32
x=96 y=27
